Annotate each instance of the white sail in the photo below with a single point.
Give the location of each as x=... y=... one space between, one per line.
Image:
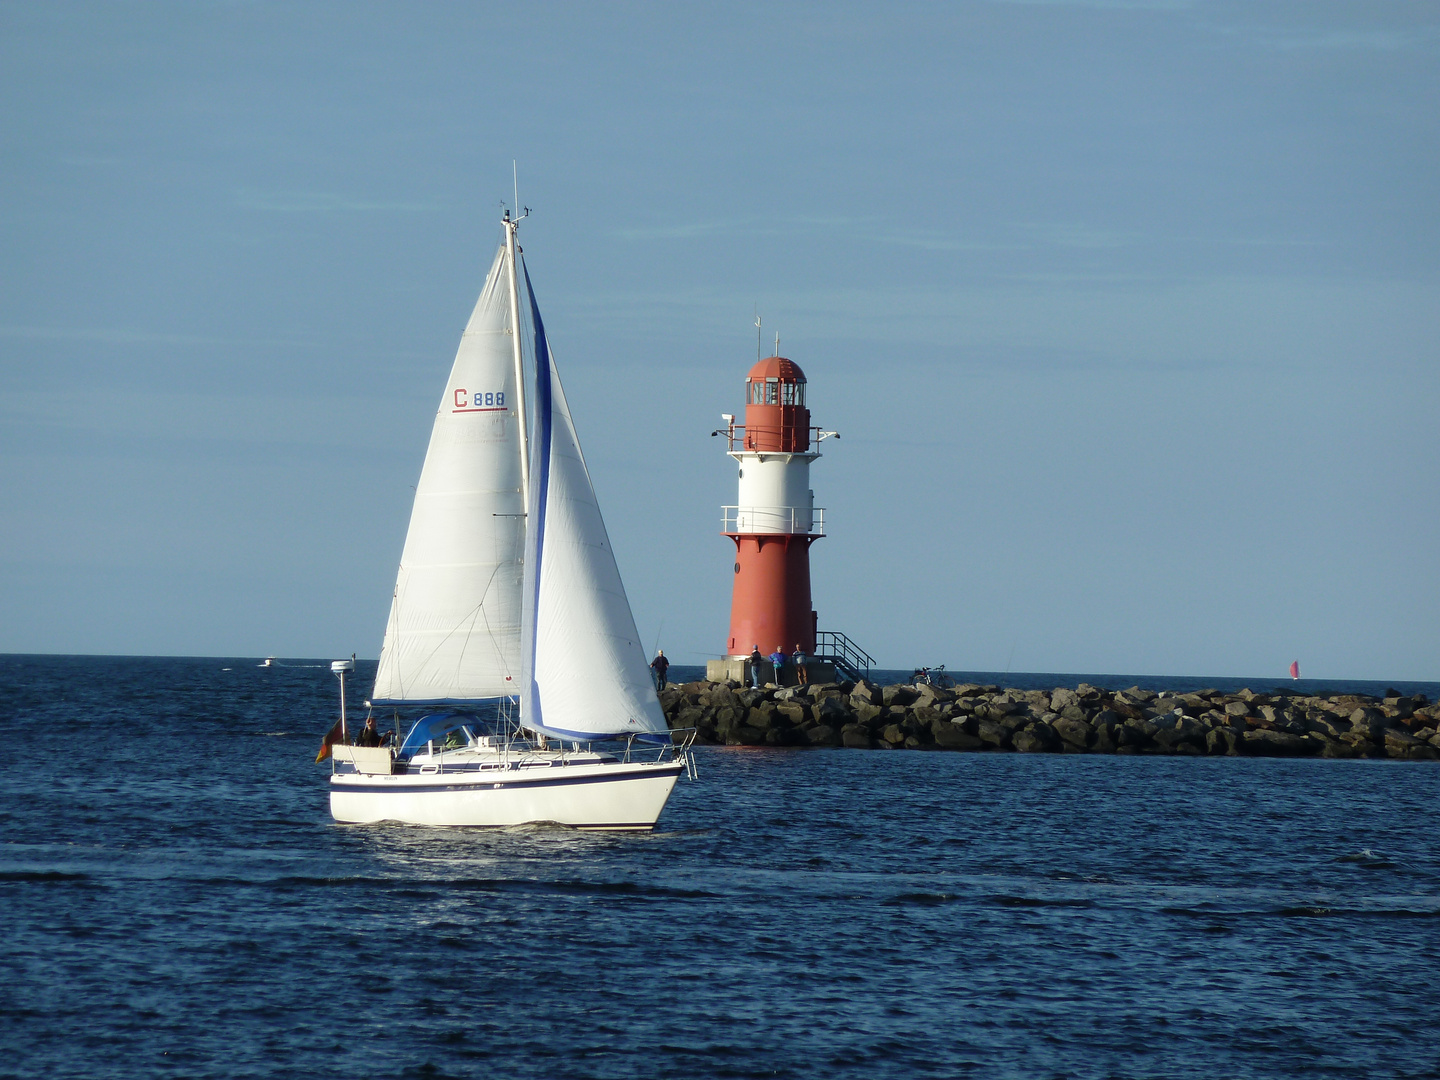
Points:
x=454 y=627
x=587 y=673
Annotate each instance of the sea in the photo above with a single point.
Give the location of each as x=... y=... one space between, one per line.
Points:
x=178 y=902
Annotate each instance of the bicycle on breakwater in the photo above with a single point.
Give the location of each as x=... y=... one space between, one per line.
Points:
x=933 y=676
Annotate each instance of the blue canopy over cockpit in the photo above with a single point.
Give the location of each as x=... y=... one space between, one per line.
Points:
x=433 y=727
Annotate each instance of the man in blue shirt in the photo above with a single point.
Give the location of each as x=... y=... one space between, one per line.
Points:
x=777 y=659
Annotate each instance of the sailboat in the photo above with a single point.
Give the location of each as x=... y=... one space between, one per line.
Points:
x=509 y=629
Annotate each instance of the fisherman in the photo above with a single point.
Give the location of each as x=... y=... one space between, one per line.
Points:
x=802 y=677
x=368 y=736
x=660 y=666
x=755 y=661
x=777 y=661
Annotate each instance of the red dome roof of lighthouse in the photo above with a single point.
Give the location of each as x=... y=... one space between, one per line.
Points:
x=777 y=367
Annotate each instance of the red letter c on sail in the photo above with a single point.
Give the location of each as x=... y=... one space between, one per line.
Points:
x=460 y=399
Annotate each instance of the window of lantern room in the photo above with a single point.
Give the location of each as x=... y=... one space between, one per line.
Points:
x=772 y=391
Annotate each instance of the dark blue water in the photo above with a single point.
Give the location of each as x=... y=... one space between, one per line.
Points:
x=178 y=902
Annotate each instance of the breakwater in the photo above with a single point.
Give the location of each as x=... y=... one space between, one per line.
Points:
x=1079 y=720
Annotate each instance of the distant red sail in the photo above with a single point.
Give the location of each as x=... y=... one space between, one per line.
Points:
x=1294 y=669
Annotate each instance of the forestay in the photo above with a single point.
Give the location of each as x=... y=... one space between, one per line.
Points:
x=586 y=675
x=454 y=627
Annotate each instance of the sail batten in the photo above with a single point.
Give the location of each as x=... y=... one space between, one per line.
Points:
x=454 y=628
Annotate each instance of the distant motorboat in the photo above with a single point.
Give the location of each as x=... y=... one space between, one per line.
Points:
x=269 y=662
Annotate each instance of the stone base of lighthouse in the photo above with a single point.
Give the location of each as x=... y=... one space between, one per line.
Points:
x=737 y=669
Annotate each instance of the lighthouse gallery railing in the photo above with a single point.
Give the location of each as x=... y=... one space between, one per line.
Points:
x=780 y=520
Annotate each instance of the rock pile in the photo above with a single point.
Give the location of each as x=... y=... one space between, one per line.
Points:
x=1085 y=720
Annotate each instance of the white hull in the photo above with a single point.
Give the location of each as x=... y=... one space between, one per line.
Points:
x=602 y=795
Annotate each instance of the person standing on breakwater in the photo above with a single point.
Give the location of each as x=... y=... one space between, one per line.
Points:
x=660 y=666
x=777 y=661
x=802 y=677
x=755 y=661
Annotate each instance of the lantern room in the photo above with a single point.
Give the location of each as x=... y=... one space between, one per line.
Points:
x=776 y=419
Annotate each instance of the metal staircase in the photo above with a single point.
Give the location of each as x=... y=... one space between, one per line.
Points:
x=849 y=659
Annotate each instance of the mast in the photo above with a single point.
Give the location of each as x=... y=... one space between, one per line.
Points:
x=510 y=249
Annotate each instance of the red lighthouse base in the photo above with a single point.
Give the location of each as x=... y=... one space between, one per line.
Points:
x=770 y=606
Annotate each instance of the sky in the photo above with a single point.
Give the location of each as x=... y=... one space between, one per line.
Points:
x=1128 y=314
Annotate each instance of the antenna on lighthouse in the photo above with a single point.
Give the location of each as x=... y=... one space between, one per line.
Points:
x=757 y=337
x=777 y=346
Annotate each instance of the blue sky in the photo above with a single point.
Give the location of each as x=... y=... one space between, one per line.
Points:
x=1127 y=313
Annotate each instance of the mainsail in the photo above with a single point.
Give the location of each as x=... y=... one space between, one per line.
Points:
x=454 y=629
x=586 y=676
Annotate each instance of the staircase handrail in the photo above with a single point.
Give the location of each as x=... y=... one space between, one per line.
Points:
x=833 y=642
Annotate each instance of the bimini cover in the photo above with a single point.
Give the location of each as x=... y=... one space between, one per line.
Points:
x=433 y=726
x=454 y=628
x=586 y=673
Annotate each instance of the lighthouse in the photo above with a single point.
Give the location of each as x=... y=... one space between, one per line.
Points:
x=773 y=523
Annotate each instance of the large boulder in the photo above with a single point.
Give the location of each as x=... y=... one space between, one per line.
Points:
x=1076 y=733
x=925 y=694
x=950 y=736
x=1035 y=739
x=1106 y=741
x=762 y=716
x=794 y=712
x=1061 y=698
x=1222 y=740
x=1237 y=709
x=1134 y=735
x=1178 y=732
x=1401 y=744
x=1125 y=708
x=864 y=693
x=1369 y=722
x=1320 y=722
x=899 y=695
x=864 y=714
x=823 y=735
x=1267 y=742
x=834 y=709
x=856 y=736
x=989 y=731
x=1039 y=702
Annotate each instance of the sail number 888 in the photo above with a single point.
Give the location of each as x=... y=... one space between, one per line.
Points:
x=487 y=399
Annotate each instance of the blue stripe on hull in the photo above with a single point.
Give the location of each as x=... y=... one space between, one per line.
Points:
x=490 y=785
